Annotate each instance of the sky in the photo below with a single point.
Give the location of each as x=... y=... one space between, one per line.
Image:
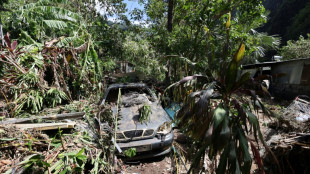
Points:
x=131 y=5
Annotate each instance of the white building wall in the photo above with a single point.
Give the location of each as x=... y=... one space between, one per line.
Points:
x=292 y=71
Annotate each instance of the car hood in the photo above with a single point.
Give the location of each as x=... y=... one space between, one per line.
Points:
x=129 y=117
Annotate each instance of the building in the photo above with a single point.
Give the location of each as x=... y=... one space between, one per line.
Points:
x=288 y=79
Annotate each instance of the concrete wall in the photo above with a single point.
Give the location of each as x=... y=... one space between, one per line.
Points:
x=292 y=71
x=289 y=86
x=288 y=91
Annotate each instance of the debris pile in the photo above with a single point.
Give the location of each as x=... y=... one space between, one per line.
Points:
x=134 y=98
x=291 y=144
x=297 y=115
x=66 y=142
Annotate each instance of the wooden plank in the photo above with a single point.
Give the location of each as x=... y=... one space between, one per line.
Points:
x=46 y=126
x=73 y=115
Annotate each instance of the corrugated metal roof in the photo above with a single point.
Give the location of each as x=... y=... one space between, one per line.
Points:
x=264 y=64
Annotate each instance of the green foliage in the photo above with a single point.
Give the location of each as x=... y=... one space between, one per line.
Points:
x=55 y=24
x=32 y=100
x=217 y=111
x=199 y=35
x=296 y=49
x=260 y=43
x=130 y=152
x=24 y=79
x=55 y=96
x=140 y=53
x=3 y=2
x=71 y=162
x=219 y=128
x=97 y=162
x=64 y=48
x=49 y=76
x=144 y=113
x=43 y=18
x=109 y=65
x=35 y=160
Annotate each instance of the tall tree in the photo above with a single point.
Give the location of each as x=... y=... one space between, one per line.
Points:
x=170 y=15
x=197 y=33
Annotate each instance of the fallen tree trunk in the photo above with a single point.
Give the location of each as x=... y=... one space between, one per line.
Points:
x=48 y=117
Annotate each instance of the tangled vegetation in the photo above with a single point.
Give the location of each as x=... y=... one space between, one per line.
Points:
x=218 y=117
x=62 y=151
x=57 y=52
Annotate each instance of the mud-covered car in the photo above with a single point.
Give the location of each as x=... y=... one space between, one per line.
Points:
x=151 y=138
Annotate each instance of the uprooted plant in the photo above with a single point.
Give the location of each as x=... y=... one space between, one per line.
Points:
x=144 y=113
x=35 y=78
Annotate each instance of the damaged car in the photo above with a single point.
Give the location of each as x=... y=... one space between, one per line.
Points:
x=151 y=136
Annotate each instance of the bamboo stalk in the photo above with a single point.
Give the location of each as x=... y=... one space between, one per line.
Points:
x=46 y=126
x=47 y=117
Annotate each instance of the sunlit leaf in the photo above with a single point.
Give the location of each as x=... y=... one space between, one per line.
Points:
x=239 y=54
x=228 y=20
x=231 y=74
x=206 y=29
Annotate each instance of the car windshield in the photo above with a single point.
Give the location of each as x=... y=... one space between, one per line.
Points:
x=130 y=96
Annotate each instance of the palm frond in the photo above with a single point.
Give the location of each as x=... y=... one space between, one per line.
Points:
x=270 y=42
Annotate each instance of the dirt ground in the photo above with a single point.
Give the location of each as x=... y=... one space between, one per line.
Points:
x=155 y=165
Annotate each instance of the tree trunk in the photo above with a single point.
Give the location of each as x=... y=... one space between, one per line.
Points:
x=170 y=15
x=1 y=32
